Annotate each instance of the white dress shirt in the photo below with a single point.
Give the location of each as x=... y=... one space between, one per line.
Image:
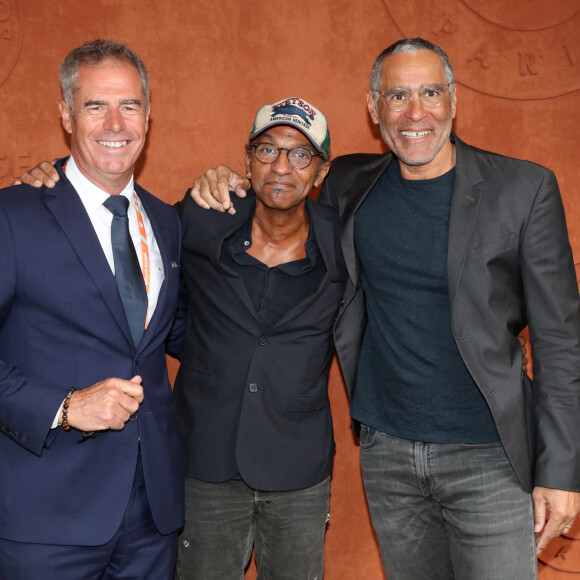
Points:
x=93 y=198
x=101 y=218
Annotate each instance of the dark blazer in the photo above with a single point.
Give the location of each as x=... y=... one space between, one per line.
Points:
x=509 y=265
x=248 y=398
x=62 y=325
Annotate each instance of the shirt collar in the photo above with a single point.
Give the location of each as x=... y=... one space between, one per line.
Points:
x=237 y=244
x=92 y=196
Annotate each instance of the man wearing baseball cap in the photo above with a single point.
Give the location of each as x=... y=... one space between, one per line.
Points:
x=265 y=286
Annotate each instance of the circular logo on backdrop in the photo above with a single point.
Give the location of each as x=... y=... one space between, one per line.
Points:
x=516 y=49
x=10 y=37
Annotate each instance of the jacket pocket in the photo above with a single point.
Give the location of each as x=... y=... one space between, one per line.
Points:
x=489 y=248
x=306 y=403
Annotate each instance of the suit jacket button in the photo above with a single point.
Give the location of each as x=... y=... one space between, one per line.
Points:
x=263 y=340
x=137 y=360
x=133 y=417
x=253 y=388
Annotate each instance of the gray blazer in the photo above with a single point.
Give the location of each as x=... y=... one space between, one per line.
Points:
x=509 y=265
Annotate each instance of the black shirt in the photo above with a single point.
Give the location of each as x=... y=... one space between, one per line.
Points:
x=273 y=291
x=412 y=382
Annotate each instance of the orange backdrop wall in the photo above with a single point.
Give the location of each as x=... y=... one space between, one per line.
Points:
x=214 y=63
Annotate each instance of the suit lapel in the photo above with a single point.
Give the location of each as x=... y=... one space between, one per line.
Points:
x=68 y=210
x=361 y=187
x=464 y=208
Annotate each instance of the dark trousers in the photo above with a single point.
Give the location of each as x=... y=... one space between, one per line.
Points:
x=136 y=552
x=223 y=521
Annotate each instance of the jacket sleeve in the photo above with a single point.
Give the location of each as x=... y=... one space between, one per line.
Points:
x=325 y=195
x=552 y=304
x=28 y=404
x=337 y=184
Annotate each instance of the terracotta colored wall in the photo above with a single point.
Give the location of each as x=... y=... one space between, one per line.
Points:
x=213 y=63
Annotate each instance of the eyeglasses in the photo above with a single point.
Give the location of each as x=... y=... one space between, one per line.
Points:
x=299 y=157
x=400 y=99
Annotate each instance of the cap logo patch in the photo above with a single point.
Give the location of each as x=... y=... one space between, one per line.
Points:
x=296 y=113
x=290 y=110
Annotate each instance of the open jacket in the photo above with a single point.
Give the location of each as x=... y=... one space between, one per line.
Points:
x=254 y=400
x=509 y=265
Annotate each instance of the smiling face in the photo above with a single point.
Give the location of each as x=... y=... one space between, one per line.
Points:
x=109 y=123
x=278 y=185
x=419 y=135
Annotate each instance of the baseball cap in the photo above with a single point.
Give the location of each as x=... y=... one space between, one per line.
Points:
x=297 y=113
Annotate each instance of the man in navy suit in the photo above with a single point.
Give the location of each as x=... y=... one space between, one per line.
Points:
x=91 y=484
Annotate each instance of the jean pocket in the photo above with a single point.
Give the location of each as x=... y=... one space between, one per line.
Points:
x=480 y=445
x=368 y=436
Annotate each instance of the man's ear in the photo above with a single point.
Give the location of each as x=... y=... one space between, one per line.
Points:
x=454 y=103
x=147 y=118
x=248 y=164
x=322 y=173
x=372 y=107
x=65 y=116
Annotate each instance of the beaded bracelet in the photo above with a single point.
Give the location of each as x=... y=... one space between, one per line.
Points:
x=64 y=423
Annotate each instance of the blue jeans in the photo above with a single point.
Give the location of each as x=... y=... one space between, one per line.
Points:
x=223 y=521
x=447 y=511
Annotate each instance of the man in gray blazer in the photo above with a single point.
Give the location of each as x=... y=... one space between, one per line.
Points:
x=451 y=252
x=456 y=250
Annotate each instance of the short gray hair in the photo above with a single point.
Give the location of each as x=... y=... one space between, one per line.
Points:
x=410 y=45
x=94 y=53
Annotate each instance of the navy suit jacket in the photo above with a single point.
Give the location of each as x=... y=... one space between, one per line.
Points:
x=62 y=325
x=509 y=264
x=248 y=398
